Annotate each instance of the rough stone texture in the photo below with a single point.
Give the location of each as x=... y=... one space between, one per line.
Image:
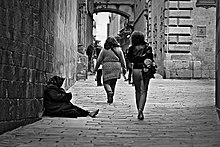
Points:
x=197 y=73
x=217 y=59
x=37 y=40
x=179 y=30
x=157 y=28
x=82 y=67
x=173 y=39
x=186 y=4
x=172 y=5
x=172 y=22
x=139 y=18
x=183 y=37
x=178 y=48
x=179 y=13
x=183 y=66
x=185 y=22
x=203 y=48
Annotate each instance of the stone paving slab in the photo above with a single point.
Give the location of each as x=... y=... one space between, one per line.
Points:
x=179 y=113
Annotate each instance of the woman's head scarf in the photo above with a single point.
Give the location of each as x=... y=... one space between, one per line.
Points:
x=56 y=80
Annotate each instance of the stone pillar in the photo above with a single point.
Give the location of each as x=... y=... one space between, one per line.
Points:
x=217 y=57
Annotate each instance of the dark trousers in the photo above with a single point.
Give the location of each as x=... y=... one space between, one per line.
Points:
x=90 y=64
x=110 y=85
x=141 y=83
x=72 y=112
x=99 y=77
x=129 y=75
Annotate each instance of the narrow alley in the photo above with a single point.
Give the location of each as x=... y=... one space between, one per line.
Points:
x=179 y=113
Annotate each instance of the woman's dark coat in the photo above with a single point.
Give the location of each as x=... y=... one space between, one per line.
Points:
x=55 y=98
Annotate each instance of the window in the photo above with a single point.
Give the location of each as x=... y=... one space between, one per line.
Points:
x=206 y=3
x=201 y=31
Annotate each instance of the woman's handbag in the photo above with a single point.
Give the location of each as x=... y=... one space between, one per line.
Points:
x=149 y=68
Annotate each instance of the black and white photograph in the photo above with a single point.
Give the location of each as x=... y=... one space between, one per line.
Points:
x=109 y=73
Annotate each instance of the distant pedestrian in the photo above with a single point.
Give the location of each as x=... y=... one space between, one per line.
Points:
x=98 y=49
x=138 y=53
x=90 y=53
x=129 y=66
x=57 y=101
x=113 y=62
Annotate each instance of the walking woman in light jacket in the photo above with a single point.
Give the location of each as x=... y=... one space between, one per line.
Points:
x=113 y=62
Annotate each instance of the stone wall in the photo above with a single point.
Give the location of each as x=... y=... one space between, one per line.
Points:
x=65 y=45
x=156 y=37
x=139 y=18
x=203 y=47
x=189 y=31
x=38 y=39
x=217 y=59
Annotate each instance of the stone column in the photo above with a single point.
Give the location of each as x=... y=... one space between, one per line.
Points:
x=217 y=57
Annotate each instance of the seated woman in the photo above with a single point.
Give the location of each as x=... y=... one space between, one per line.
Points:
x=57 y=101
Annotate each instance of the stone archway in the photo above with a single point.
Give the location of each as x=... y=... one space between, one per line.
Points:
x=121 y=7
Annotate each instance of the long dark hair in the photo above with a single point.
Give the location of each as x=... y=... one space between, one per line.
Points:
x=137 y=38
x=111 y=42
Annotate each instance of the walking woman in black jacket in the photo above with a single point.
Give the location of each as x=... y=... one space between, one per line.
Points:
x=138 y=53
x=57 y=101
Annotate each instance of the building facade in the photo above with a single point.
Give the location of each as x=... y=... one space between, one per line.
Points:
x=85 y=36
x=183 y=38
x=85 y=22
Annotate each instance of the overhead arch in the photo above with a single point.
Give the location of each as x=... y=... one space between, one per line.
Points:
x=121 y=7
x=122 y=13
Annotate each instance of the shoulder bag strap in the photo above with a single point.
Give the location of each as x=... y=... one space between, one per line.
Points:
x=115 y=53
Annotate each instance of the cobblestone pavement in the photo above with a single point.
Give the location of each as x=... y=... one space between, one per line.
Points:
x=179 y=113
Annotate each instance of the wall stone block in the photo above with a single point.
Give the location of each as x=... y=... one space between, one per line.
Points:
x=179 y=30
x=168 y=64
x=185 y=22
x=173 y=74
x=3 y=110
x=197 y=65
x=179 y=48
x=186 y=4
x=212 y=74
x=173 y=39
x=205 y=73
x=179 y=13
x=184 y=73
x=172 y=21
x=171 y=4
x=181 y=56
x=167 y=74
x=185 y=39
x=2 y=16
x=181 y=64
x=197 y=73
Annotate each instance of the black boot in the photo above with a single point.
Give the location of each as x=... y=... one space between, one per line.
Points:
x=110 y=97
x=140 y=115
x=93 y=113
